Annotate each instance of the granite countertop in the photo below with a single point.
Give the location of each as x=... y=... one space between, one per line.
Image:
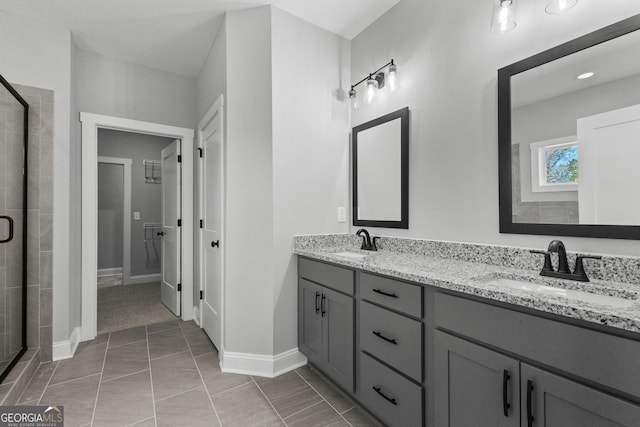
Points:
x=473 y=278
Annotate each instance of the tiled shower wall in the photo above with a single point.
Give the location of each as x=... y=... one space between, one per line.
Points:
x=39 y=217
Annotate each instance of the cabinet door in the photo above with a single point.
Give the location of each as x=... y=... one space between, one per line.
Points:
x=310 y=320
x=338 y=338
x=554 y=401
x=474 y=386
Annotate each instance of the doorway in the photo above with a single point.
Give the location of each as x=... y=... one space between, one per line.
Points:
x=132 y=241
x=181 y=177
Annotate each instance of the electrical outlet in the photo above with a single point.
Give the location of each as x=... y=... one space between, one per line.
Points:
x=136 y=215
x=342 y=214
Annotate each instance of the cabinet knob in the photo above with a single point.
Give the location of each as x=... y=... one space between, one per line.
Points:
x=215 y=244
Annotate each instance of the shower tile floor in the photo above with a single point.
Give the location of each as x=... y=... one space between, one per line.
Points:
x=167 y=374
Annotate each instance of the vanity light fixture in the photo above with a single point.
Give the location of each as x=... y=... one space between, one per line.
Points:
x=585 y=75
x=375 y=81
x=504 y=13
x=559 y=6
x=504 y=16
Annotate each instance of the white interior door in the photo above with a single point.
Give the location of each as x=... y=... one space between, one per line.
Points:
x=170 y=293
x=212 y=214
x=608 y=153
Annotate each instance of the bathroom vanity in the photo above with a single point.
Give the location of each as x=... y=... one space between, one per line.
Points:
x=431 y=340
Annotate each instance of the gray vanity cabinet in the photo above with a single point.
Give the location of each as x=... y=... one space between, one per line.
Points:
x=310 y=324
x=337 y=338
x=325 y=320
x=554 y=401
x=475 y=386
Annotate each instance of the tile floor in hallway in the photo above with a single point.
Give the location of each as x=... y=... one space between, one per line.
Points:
x=167 y=374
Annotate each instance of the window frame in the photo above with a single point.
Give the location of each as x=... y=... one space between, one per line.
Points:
x=538 y=164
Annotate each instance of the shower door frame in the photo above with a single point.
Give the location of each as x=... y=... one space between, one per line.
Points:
x=24 y=103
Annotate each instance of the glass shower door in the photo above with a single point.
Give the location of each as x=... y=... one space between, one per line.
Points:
x=13 y=223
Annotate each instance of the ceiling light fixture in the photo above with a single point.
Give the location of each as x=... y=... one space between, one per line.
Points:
x=504 y=16
x=375 y=81
x=585 y=75
x=559 y=6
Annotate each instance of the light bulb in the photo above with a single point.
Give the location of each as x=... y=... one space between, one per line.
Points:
x=372 y=87
x=391 y=76
x=504 y=16
x=353 y=95
x=559 y=6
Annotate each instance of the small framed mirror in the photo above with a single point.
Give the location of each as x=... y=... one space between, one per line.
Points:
x=381 y=171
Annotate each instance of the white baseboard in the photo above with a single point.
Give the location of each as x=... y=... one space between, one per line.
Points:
x=109 y=271
x=144 y=278
x=67 y=348
x=261 y=365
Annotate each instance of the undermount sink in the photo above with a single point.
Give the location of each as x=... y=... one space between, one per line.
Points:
x=545 y=289
x=354 y=255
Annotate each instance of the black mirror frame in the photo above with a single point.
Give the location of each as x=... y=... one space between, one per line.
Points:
x=507 y=225
x=403 y=115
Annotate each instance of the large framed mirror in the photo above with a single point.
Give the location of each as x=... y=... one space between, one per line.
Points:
x=569 y=137
x=381 y=171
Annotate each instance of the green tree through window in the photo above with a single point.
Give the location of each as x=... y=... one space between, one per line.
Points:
x=561 y=165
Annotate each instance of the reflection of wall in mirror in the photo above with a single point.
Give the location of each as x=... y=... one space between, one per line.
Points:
x=379 y=166
x=609 y=167
x=553 y=118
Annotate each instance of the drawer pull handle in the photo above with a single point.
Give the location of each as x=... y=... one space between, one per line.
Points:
x=386 y=294
x=379 y=335
x=390 y=399
x=317 y=307
x=505 y=397
x=529 y=397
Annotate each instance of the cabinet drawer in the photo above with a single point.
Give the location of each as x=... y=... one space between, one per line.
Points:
x=393 y=398
x=340 y=279
x=396 y=295
x=392 y=338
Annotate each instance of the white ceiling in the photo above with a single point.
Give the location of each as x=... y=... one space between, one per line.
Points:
x=175 y=35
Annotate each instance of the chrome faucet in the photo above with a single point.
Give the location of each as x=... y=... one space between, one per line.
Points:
x=563 y=271
x=367 y=243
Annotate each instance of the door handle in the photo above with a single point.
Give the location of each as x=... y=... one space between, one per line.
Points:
x=505 y=397
x=322 y=310
x=160 y=233
x=529 y=404
x=215 y=244
x=10 y=220
x=317 y=296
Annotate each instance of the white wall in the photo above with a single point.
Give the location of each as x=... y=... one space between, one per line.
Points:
x=448 y=61
x=36 y=54
x=212 y=80
x=249 y=195
x=118 y=88
x=310 y=72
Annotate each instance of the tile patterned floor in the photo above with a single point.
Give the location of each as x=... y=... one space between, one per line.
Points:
x=167 y=374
